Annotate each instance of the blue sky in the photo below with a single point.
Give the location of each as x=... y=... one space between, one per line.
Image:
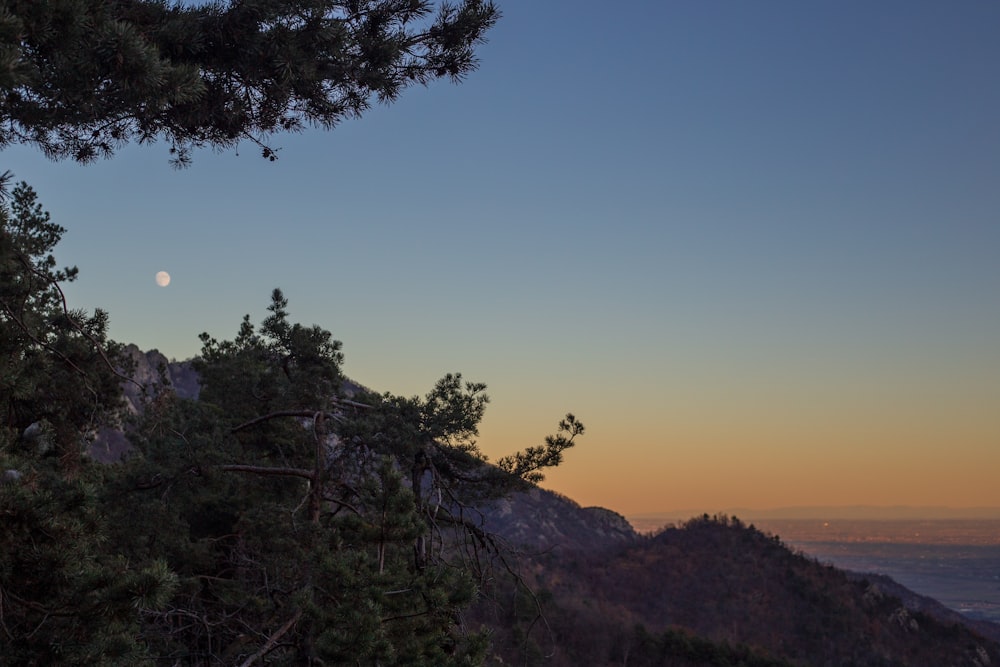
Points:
x=754 y=246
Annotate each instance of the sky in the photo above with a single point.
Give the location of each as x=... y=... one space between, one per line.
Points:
x=754 y=247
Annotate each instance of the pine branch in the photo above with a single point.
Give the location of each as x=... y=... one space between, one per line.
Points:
x=66 y=360
x=76 y=325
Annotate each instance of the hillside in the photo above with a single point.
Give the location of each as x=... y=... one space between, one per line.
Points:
x=717 y=592
x=711 y=592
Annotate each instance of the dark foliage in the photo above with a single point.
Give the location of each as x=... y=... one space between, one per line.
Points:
x=306 y=525
x=718 y=592
x=79 y=78
x=65 y=597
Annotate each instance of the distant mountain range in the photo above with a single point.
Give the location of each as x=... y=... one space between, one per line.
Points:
x=710 y=591
x=824 y=512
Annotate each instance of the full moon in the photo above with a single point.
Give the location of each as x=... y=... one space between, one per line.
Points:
x=162 y=278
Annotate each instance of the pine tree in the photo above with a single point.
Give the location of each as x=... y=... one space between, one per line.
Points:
x=65 y=598
x=307 y=518
x=79 y=78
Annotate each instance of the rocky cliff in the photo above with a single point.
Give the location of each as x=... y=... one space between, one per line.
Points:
x=150 y=371
x=540 y=520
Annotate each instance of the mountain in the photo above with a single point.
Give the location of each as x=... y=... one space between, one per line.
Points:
x=590 y=590
x=715 y=591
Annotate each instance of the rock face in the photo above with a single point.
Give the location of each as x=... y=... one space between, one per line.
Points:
x=540 y=520
x=151 y=369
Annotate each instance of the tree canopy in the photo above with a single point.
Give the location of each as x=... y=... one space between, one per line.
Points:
x=80 y=78
x=66 y=596
x=308 y=518
x=287 y=516
x=57 y=368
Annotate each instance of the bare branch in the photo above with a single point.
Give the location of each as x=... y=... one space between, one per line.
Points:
x=267 y=470
x=273 y=415
x=272 y=640
x=305 y=414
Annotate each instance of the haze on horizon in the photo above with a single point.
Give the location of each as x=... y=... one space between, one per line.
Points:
x=752 y=247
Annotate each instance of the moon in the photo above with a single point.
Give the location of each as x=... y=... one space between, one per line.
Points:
x=162 y=278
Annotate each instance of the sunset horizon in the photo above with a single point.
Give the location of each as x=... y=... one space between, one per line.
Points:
x=753 y=249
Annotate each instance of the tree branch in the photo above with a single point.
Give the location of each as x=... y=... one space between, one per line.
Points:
x=267 y=470
x=66 y=360
x=272 y=640
x=311 y=414
x=76 y=325
x=273 y=415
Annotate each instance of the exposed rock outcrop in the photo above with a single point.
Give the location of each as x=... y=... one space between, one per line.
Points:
x=149 y=370
x=541 y=520
x=152 y=369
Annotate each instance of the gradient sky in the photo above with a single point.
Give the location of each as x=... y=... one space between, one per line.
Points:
x=755 y=247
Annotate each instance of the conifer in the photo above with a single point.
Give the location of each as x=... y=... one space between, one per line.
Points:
x=66 y=597
x=80 y=78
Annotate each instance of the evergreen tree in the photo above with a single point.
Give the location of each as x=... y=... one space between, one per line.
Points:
x=308 y=519
x=65 y=599
x=79 y=78
x=56 y=369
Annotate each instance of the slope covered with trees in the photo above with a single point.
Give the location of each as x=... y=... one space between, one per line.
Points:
x=274 y=519
x=306 y=524
x=717 y=592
